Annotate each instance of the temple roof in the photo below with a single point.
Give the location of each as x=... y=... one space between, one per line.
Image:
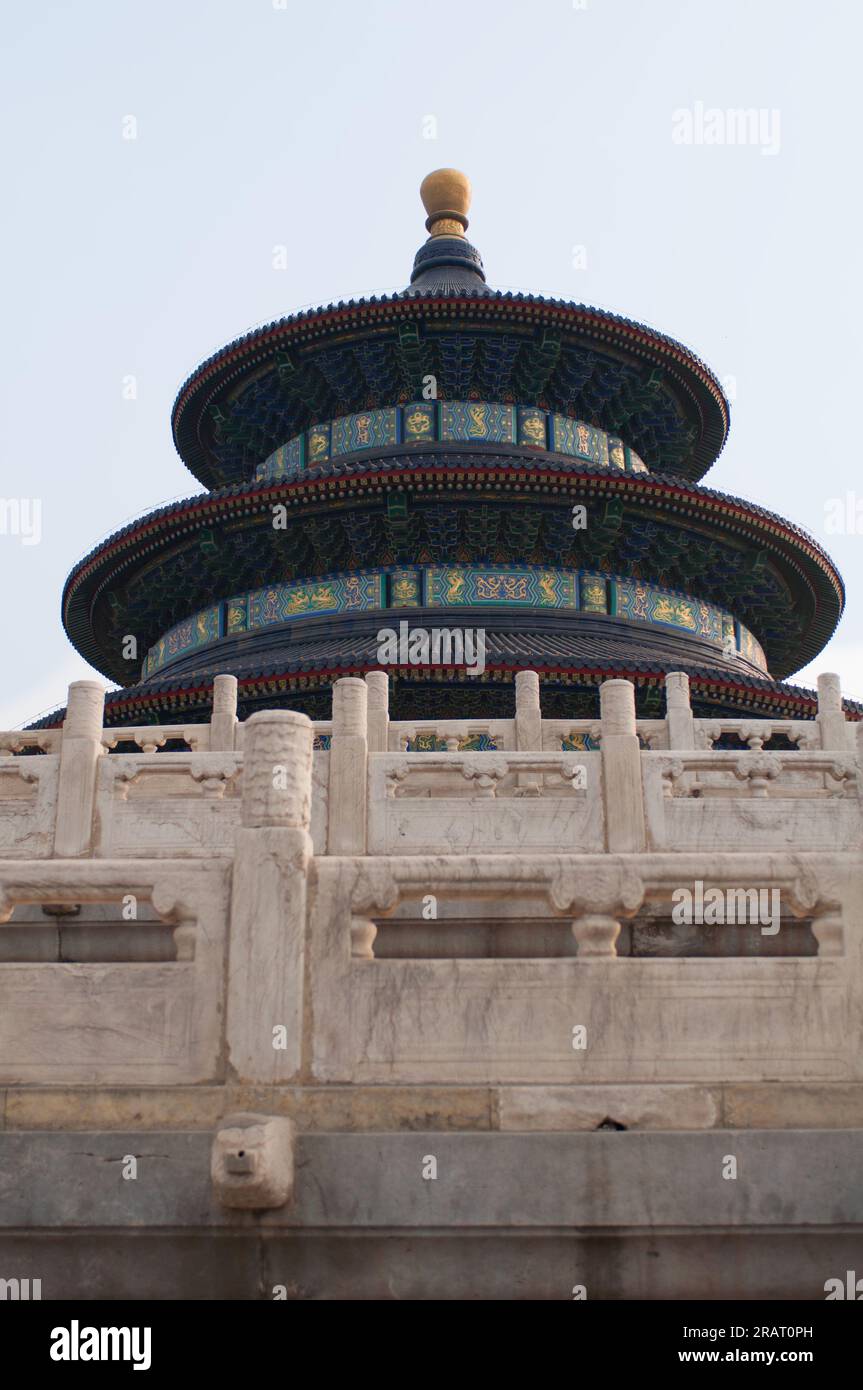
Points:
x=160 y=569
x=474 y=341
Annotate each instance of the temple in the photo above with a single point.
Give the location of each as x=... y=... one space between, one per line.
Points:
x=454 y=901
x=455 y=458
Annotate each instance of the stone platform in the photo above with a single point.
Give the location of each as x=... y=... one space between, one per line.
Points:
x=295 y=1009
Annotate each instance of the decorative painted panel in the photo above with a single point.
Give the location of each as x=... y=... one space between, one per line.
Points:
x=616 y=452
x=318 y=445
x=277 y=462
x=370 y=429
x=649 y=604
x=532 y=428
x=477 y=421
x=405 y=589
x=281 y=602
x=198 y=631
x=463 y=422
x=419 y=422
x=288 y=460
x=524 y=588
x=709 y=621
x=237 y=614
x=751 y=649
x=457 y=586
x=579 y=440
x=593 y=593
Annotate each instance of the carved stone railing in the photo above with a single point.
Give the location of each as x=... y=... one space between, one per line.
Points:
x=488 y=801
x=754 y=733
x=721 y=774
x=150 y=738
x=734 y=800
x=30 y=740
x=74 y=801
x=275 y=867
x=466 y=1020
x=136 y=1024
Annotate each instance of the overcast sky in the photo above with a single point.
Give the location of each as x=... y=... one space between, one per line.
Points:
x=267 y=123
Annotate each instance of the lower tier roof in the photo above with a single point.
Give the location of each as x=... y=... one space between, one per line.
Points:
x=451 y=507
x=572 y=666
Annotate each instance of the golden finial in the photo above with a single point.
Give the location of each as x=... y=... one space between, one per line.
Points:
x=446 y=199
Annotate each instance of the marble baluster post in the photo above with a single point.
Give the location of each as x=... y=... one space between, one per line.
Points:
x=528 y=722
x=223 y=721
x=831 y=721
x=621 y=769
x=80 y=751
x=268 y=904
x=678 y=711
x=378 y=687
x=348 y=768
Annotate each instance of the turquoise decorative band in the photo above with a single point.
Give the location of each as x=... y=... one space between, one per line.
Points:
x=456 y=586
x=461 y=422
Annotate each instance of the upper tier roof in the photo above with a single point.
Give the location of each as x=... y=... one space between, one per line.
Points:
x=476 y=342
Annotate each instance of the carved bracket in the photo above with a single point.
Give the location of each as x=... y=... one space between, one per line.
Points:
x=214 y=774
x=841 y=771
x=805 y=739
x=375 y=889
x=758 y=770
x=167 y=900
x=395 y=777
x=597 y=895
x=816 y=894
x=672 y=773
x=706 y=734
x=126 y=771
x=485 y=775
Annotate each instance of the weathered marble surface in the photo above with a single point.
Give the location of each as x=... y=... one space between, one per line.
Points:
x=28 y=801
x=105 y=1024
x=273 y=865
x=422 y=803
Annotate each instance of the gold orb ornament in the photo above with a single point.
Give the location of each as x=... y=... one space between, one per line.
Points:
x=446 y=198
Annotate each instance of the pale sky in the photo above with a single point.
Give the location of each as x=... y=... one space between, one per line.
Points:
x=262 y=124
